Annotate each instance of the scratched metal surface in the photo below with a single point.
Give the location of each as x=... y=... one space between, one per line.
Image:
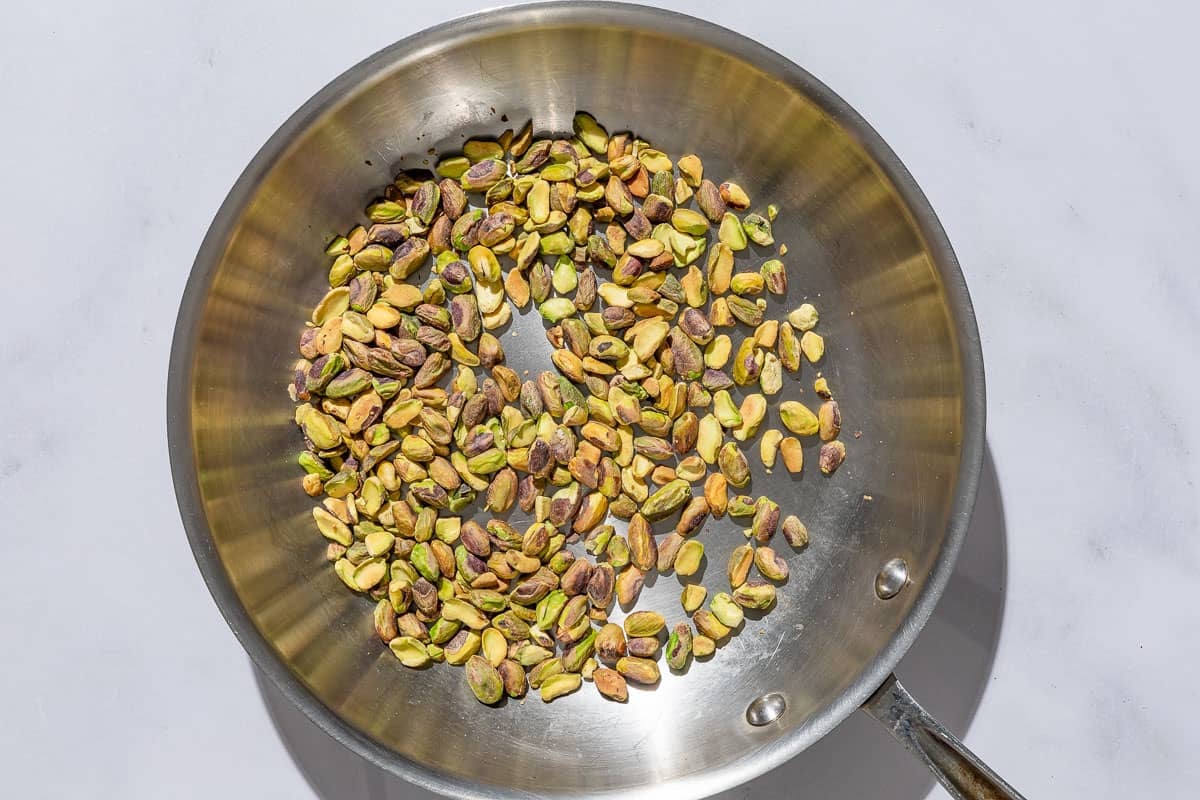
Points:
x=902 y=356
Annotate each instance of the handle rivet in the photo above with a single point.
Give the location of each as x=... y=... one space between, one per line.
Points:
x=891 y=579
x=766 y=709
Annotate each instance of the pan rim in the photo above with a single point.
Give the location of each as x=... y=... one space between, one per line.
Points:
x=209 y=256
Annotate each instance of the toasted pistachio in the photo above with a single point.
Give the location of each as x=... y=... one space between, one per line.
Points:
x=731 y=234
x=513 y=676
x=666 y=500
x=768 y=447
x=733 y=465
x=766 y=520
x=728 y=612
x=745 y=311
x=752 y=412
x=410 y=651
x=709 y=435
x=668 y=549
x=813 y=346
x=719 y=314
x=740 y=561
x=611 y=684
x=829 y=419
x=692 y=517
x=644 y=646
x=715 y=494
x=770 y=564
x=638 y=670
x=693 y=596
x=575 y=580
x=689 y=557
x=755 y=594
x=483 y=679
x=798 y=418
x=644 y=623
x=629 y=585
x=831 y=456
x=795 y=532
x=601 y=586
x=735 y=195
x=804 y=318
x=556 y=686
x=793 y=455
x=709 y=626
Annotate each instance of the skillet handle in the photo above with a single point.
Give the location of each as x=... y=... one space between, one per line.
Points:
x=962 y=774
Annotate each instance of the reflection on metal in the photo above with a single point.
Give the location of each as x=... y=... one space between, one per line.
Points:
x=766 y=709
x=891 y=578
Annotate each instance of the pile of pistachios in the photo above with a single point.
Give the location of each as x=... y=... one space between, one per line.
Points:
x=410 y=415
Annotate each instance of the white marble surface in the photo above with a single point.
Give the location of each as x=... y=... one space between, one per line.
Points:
x=1056 y=141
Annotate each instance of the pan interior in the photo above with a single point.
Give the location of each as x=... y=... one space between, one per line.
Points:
x=855 y=250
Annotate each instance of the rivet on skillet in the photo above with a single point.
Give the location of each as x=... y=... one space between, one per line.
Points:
x=891 y=579
x=766 y=709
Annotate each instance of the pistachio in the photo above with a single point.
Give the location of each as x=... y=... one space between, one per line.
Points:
x=768 y=447
x=733 y=465
x=638 y=670
x=755 y=594
x=740 y=561
x=644 y=623
x=558 y=685
x=719 y=314
x=666 y=500
x=410 y=651
x=766 y=520
x=692 y=517
x=798 y=418
x=697 y=328
x=708 y=198
x=513 y=677
x=745 y=311
x=731 y=234
x=829 y=420
x=668 y=549
x=600 y=586
x=735 y=196
x=689 y=557
x=483 y=679
x=703 y=646
x=629 y=585
x=576 y=655
x=709 y=433
x=727 y=612
x=610 y=684
x=794 y=531
x=752 y=412
x=831 y=456
x=642 y=547
x=716 y=494
x=804 y=318
x=544 y=672
x=709 y=626
x=793 y=455
x=813 y=346
x=770 y=564
x=644 y=647
x=692 y=597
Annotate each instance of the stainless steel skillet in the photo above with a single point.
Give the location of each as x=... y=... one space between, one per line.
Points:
x=903 y=357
